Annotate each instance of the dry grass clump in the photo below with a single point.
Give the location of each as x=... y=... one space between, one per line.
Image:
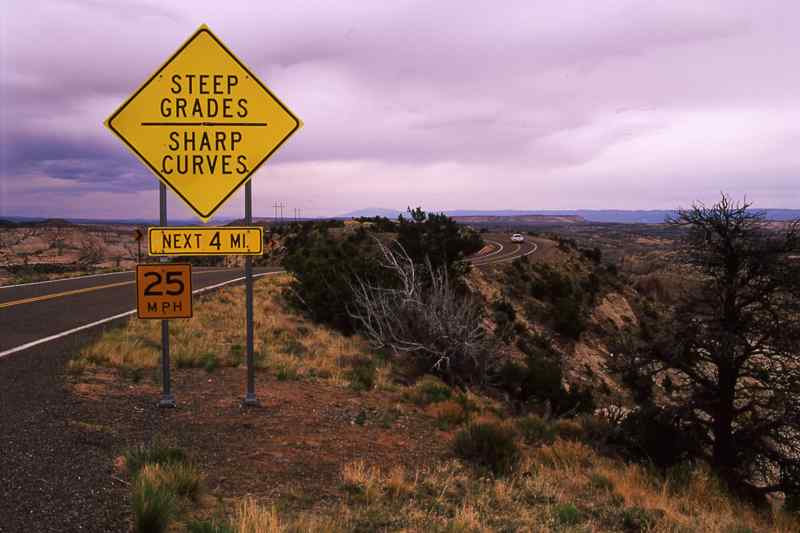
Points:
x=154 y=506
x=363 y=481
x=183 y=480
x=288 y=345
x=448 y=414
x=163 y=485
x=427 y=390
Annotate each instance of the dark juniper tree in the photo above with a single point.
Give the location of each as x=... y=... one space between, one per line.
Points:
x=729 y=356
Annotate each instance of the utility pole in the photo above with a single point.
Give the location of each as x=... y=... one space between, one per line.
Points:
x=275 y=217
x=281 y=208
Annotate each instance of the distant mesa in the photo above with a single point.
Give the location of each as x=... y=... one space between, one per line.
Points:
x=53 y=223
x=523 y=220
x=372 y=212
x=35 y=222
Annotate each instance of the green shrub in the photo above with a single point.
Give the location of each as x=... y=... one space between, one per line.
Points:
x=601 y=482
x=208 y=526
x=568 y=430
x=540 y=380
x=428 y=390
x=135 y=374
x=448 y=414
x=236 y=354
x=324 y=269
x=153 y=507
x=504 y=316
x=679 y=476
x=157 y=453
x=740 y=529
x=656 y=437
x=792 y=503
x=293 y=346
x=567 y=514
x=184 y=359
x=362 y=375
x=488 y=445
x=183 y=480
x=286 y=373
x=535 y=429
x=210 y=362
x=567 y=317
x=635 y=519
x=437 y=238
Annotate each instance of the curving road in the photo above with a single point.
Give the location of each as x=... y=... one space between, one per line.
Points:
x=499 y=249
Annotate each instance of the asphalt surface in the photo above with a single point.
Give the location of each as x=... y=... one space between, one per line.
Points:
x=32 y=312
x=499 y=249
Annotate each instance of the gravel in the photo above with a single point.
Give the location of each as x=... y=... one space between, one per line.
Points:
x=54 y=475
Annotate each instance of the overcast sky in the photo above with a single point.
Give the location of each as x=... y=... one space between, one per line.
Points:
x=443 y=104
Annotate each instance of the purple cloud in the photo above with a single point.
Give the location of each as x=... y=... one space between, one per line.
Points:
x=446 y=104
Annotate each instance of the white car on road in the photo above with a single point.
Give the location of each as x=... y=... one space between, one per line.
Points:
x=517 y=237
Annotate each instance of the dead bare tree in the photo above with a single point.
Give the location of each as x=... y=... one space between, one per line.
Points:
x=423 y=318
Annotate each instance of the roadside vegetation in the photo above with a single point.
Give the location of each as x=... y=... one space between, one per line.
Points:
x=496 y=481
x=528 y=448
x=286 y=345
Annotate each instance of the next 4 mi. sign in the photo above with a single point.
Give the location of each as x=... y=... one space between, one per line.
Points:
x=192 y=240
x=203 y=123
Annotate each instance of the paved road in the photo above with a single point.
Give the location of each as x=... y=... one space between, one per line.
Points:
x=500 y=249
x=33 y=312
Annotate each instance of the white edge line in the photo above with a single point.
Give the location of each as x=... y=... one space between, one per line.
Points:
x=535 y=247
x=500 y=249
x=475 y=259
x=506 y=259
x=115 y=317
x=65 y=279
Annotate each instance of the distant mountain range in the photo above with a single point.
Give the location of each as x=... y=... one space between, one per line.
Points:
x=654 y=216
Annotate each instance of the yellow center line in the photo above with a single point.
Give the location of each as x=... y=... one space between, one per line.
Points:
x=62 y=294
x=81 y=291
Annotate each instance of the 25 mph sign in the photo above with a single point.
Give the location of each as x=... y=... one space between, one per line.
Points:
x=164 y=291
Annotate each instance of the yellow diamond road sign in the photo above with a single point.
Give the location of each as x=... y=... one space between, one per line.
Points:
x=203 y=123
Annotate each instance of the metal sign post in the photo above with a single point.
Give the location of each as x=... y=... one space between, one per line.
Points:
x=167 y=400
x=250 y=399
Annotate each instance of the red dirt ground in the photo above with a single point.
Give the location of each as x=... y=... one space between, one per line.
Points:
x=296 y=443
